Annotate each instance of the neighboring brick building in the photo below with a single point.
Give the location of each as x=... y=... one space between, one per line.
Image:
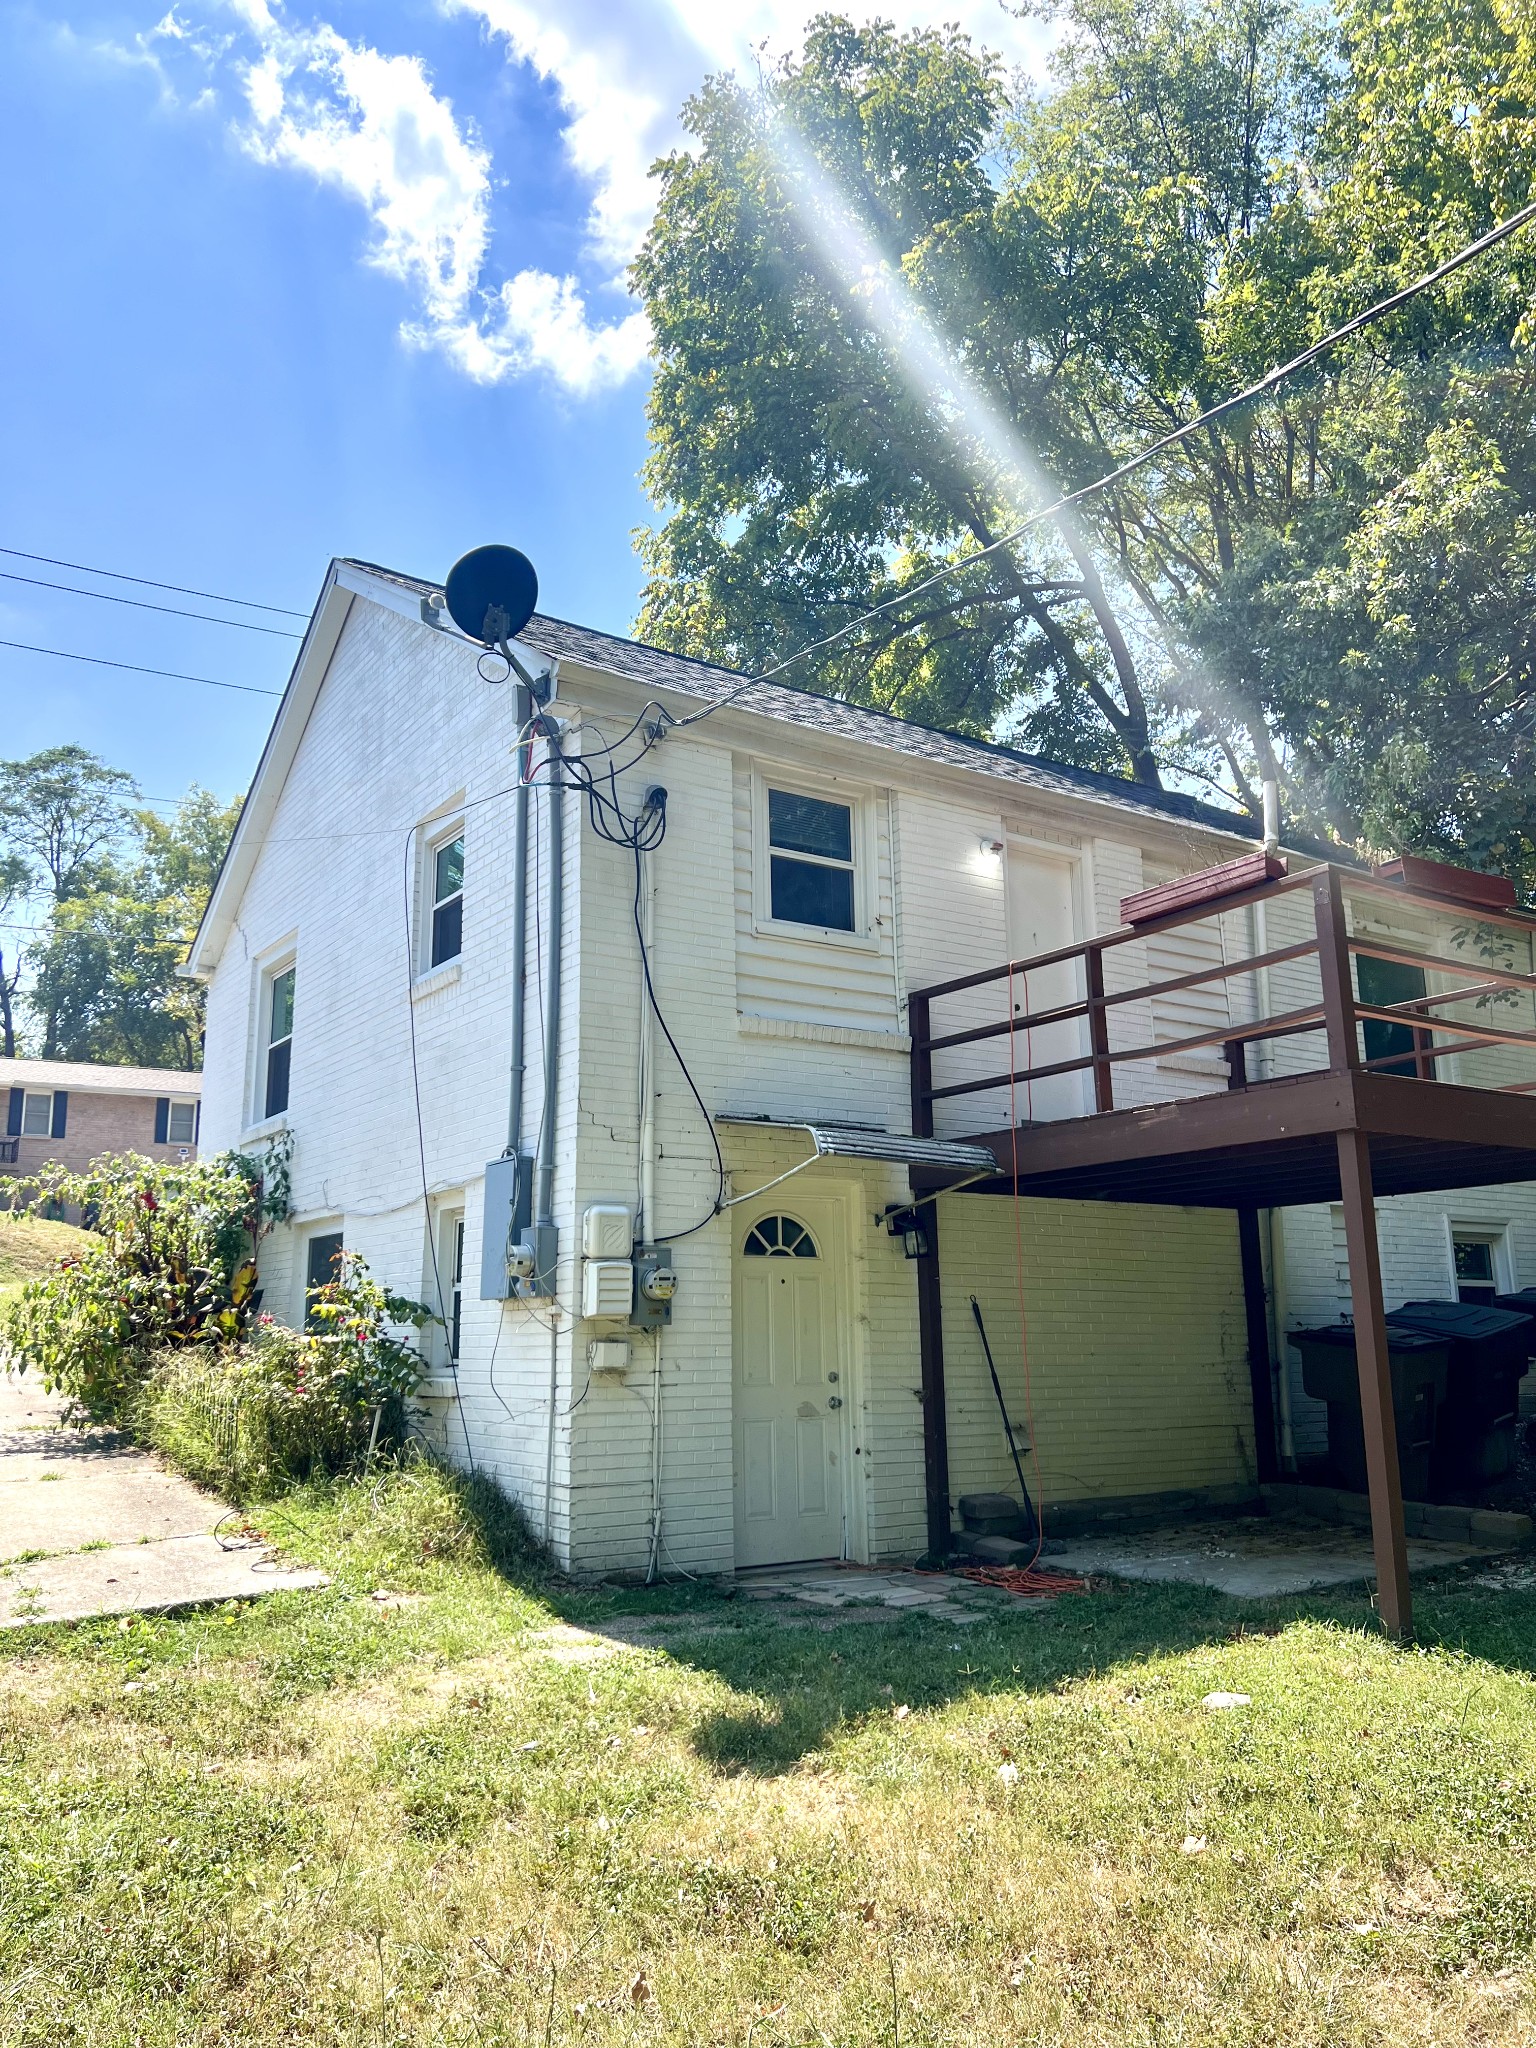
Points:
x=71 y=1111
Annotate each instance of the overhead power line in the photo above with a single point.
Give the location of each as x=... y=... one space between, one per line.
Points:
x=150 y=583
x=138 y=668
x=143 y=605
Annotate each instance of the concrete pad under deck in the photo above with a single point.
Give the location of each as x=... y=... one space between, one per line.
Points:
x=1250 y=1558
x=92 y=1525
x=858 y=1590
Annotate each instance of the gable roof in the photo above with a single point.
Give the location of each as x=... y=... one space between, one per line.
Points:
x=656 y=668
x=653 y=668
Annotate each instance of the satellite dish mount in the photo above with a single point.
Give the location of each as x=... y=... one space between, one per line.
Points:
x=490 y=594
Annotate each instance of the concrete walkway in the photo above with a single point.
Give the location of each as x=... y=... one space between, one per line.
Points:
x=90 y=1525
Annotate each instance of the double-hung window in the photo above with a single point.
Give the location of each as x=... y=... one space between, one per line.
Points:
x=37 y=1116
x=447 y=880
x=321 y=1267
x=279 y=1041
x=811 y=866
x=181 y=1123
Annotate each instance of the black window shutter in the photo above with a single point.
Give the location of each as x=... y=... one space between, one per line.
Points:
x=60 y=1112
x=162 y=1118
x=13 y=1114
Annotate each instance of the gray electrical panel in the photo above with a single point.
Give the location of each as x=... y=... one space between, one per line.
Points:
x=655 y=1285
x=508 y=1206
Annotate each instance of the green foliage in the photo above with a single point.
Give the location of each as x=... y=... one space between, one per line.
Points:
x=885 y=294
x=123 y=890
x=170 y=1262
x=253 y=1418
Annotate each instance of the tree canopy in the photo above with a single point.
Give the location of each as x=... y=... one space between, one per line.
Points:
x=118 y=892
x=899 y=302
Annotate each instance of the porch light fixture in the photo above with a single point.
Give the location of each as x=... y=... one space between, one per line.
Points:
x=903 y=1223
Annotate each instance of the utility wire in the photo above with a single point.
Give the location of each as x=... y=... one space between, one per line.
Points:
x=142 y=604
x=149 y=582
x=138 y=669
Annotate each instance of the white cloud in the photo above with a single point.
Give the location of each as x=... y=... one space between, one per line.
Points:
x=375 y=127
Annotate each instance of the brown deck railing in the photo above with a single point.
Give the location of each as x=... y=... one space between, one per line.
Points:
x=1336 y=1016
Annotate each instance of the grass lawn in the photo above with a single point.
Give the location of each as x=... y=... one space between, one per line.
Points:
x=447 y=1818
x=29 y=1245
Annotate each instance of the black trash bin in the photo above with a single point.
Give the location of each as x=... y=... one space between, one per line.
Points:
x=1419 y=1366
x=1489 y=1356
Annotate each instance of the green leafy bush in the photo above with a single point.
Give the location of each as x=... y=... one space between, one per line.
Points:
x=286 y=1405
x=170 y=1262
x=152 y=1324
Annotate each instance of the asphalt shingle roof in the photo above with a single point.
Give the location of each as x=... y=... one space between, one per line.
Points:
x=655 y=668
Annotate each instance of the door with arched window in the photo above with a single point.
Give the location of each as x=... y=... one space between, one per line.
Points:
x=788 y=1393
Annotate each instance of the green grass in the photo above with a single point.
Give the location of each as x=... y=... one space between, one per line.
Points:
x=29 y=1245
x=456 y=1818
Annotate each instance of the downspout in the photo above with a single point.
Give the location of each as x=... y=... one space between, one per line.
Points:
x=545 y=1241
x=523 y=701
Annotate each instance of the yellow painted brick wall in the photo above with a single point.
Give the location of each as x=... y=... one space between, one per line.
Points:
x=1137 y=1347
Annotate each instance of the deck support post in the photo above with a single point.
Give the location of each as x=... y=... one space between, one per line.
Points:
x=1383 y=1474
x=930 y=1340
x=1261 y=1370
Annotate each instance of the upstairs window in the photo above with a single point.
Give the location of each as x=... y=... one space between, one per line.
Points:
x=447 y=875
x=811 y=861
x=279 y=1041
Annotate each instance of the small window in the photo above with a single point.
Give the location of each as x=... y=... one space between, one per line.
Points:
x=456 y=1295
x=37 y=1116
x=321 y=1254
x=810 y=861
x=279 y=1034
x=447 y=901
x=779 y=1237
x=181 y=1123
x=1476 y=1277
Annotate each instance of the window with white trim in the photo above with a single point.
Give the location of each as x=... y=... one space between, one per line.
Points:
x=445 y=887
x=277 y=989
x=449 y=1278
x=37 y=1115
x=1478 y=1257
x=180 y=1122
x=812 y=861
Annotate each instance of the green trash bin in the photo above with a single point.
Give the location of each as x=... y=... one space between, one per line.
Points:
x=1419 y=1365
x=1489 y=1350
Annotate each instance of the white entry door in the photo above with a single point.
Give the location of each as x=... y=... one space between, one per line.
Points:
x=1042 y=918
x=788 y=1394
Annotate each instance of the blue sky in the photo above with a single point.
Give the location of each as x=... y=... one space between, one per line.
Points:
x=286 y=283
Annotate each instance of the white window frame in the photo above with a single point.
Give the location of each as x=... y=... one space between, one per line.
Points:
x=446 y=1268
x=1478 y=1229
x=329 y=1226
x=860 y=801
x=189 y=1104
x=434 y=838
x=268 y=970
x=30 y=1096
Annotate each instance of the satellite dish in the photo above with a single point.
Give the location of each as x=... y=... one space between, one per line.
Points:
x=491 y=593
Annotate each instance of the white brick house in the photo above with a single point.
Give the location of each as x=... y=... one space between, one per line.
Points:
x=358 y=955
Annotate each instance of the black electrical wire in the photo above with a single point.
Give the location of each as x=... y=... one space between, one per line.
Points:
x=151 y=583
x=138 y=668
x=140 y=604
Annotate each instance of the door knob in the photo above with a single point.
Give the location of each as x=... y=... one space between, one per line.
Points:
x=836 y=1401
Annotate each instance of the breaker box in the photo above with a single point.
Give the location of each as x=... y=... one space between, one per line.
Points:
x=508 y=1207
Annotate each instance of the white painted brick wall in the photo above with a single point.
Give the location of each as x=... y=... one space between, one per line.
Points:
x=1136 y=1323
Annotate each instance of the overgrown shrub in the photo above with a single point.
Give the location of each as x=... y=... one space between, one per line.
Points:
x=152 y=1325
x=171 y=1262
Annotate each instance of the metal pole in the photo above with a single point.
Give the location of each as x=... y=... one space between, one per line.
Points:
x=930 y=1338
x=1383 y=1475
x=544 y=1172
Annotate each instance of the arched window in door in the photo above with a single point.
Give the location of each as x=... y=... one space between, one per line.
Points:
x=779 y=1237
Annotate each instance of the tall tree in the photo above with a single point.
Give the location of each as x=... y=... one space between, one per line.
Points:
x=888 y=305
x=15 y=888
x=108 y=975
x=63 y=819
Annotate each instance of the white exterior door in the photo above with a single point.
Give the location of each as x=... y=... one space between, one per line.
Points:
x=788 y=1392
x=1042 y=918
